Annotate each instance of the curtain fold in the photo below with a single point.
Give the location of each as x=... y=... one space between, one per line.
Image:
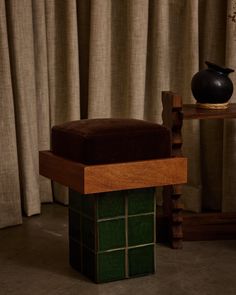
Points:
x=66 y=60
x=21 y=48
x=63 y=68
x=42 y=90
x=10 y=203
x=228 y=201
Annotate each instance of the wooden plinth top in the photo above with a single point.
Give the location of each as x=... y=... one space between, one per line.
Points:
x=190 y=111
x=112 y=177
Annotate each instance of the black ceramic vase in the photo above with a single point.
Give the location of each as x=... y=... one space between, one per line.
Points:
x=212 y=86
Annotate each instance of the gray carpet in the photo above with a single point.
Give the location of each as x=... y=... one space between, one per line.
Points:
x=34 y=260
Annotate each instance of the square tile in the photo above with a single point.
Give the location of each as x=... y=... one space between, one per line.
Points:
x=74 y=200
x=74 y=225
x=140 y=201
x=75 y=254
x=88 y=232
x=88 y=205
x=141 y=230
x=111 y=266
x=111 y=204
x=111 y=234
x=141 y=260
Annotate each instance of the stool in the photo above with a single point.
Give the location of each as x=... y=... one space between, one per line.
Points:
x=111 y=167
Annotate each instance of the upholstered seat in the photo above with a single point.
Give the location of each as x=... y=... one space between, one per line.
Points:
x=103 y=141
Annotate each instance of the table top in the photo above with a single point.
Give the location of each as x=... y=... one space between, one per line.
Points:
x=190 y=111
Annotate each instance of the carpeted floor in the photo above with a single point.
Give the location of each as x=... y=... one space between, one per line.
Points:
x=34 y=260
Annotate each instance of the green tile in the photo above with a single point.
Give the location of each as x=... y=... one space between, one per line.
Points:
x=88 y=205
x=141 y=260
x=75 y=254
x=83 y=203
x=89 y=263
x=111 y=266
x=74 y=225
x=88 y=232
x=74 y=200
x=141 y=230
x=111 y=204
x=111 y=234
x=141 y=201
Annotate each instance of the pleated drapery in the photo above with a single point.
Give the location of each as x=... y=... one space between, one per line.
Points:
x=66 y=60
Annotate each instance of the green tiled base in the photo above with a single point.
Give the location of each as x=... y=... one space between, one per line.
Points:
x=112 y=235
x=111 y=266
x=141 y=260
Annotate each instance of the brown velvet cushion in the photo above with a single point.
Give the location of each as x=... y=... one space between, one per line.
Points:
x=100 y=141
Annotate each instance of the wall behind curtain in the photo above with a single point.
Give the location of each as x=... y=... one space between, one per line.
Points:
x=66 y=60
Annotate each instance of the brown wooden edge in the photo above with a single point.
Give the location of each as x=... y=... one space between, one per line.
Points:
x=61 y=170
x=150 y=173
x=201 y=226
x=191 y=112
x=196 y=226
x=111 y=177
x=172 y=118
x=209 y=226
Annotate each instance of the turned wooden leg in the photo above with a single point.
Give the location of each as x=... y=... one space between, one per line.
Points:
x=172 y=206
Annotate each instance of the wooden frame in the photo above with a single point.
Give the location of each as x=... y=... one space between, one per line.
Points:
x=201 y=226
x=111 y=177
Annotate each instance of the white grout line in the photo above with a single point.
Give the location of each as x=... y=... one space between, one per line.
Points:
x=111 y=218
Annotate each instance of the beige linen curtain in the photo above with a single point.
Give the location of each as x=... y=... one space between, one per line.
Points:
x=66 y=60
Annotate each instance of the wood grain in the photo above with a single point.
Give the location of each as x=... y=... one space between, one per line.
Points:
x=64 y=171
x=112 y=177
x=190 y=111
x=210 y=226
x=172 y=118
x=201 y=226
x=135 y=175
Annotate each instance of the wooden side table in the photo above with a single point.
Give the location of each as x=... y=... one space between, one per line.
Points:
x=201 y=226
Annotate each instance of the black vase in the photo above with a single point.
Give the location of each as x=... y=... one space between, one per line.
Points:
x=212 y=85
